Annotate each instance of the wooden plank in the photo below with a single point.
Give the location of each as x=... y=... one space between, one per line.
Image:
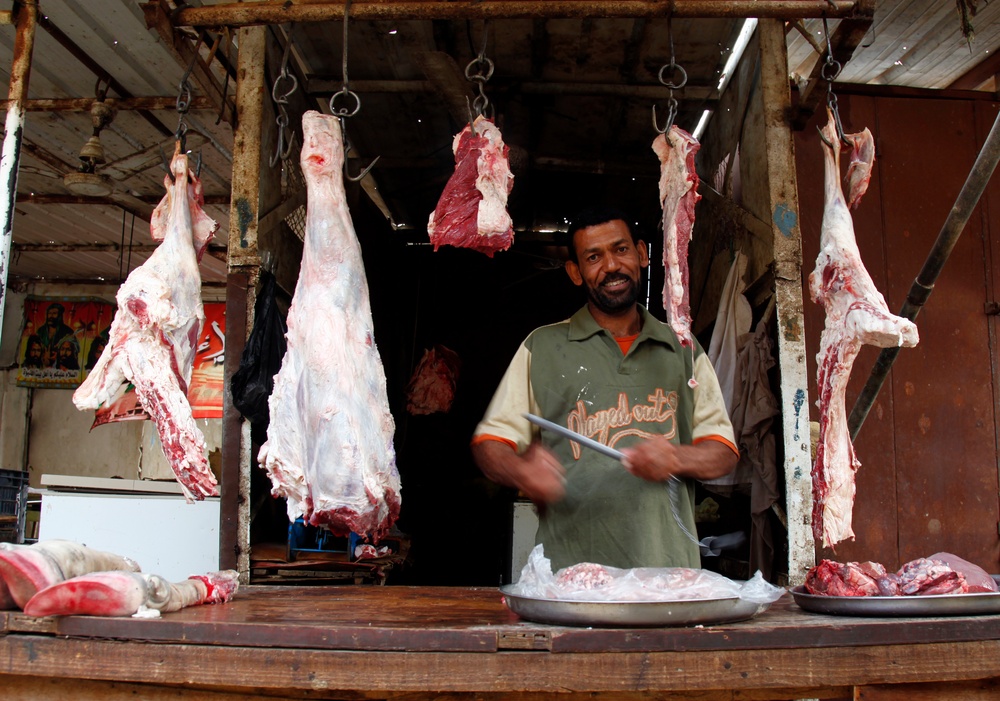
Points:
x=38 y=689
x=250 y=96
x=275 y=12
x=980 y=690
x=288 y=670
x=83 y=104
x=784 y=211
x=232 y=491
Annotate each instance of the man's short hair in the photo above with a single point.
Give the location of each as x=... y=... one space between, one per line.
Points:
x=592 y=216
x=55 y=305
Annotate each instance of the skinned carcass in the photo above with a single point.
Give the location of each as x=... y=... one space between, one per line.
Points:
x=124 y=593
x=856 y=314
x=154 y=335
x=472 y=210
x=678 y=187
x=329 y=448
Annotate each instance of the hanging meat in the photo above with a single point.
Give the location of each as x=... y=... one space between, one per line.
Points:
x=856 y=314
x=154 y=335
x=431 y=389
x=329 y=448
x=472 y=210
x=676 y=150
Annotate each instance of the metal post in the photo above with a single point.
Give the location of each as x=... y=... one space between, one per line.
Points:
x=923 y=285
x=17 y=93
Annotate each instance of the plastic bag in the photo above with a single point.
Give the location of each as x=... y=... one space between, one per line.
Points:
x=588 y=581
x=253 y=382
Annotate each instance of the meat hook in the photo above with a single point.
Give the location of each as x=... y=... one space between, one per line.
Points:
x=363 y=173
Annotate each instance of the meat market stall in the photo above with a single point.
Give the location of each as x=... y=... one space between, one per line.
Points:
x=447 y=642
x=439 y=642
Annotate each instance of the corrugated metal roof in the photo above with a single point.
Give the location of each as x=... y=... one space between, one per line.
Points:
x=574 y=97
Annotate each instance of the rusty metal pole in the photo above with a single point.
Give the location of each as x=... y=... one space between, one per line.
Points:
x=923 y=285
x=17 y=93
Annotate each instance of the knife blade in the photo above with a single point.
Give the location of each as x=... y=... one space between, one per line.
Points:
x=574 y=436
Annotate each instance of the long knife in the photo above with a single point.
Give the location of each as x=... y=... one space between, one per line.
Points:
x=574 y=436
x=710 y=546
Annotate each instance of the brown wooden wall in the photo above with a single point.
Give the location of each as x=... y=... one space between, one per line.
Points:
x=929 y=447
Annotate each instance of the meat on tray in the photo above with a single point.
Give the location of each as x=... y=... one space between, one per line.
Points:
x=329 y=448
x=472 y=210
x=856 y=314
x=678 y=196
x=154 y=335
x=941 y=573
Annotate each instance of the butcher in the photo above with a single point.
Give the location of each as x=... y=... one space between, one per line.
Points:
x=616 y=374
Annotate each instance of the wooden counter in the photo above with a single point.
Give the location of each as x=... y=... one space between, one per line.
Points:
x=438 y=642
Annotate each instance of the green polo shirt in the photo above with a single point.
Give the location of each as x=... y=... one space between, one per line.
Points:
x=574 y=373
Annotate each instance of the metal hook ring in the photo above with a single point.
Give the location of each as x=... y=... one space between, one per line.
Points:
x=102 y=93
x=481 y=76
x=834 y=66
x=343 y=112
x=675 y=68
x=282 y=97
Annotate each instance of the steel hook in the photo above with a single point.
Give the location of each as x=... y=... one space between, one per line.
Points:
x=347 y=149
x=671 y=116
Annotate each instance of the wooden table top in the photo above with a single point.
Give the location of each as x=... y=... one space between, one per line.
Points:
x=459 y=619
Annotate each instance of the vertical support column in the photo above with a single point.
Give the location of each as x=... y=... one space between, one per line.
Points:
x=244 y=261
x=784 y=208
x=17 y=93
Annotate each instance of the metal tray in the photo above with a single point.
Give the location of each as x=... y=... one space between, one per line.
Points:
x=980 y=604
x=631 y=614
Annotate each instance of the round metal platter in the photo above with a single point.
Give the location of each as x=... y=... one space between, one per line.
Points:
x=631 y=614
x=984 y=604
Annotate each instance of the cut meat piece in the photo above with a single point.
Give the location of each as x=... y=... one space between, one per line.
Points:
x=678 y=196
x=329 y=448
x=432 y=387
x=154 y=335
x=975 y=576
x=129 y=593
x=845 y=579
x=856 y=313
x=472 y=210
x=585 y=575
x=27 y=569
x=924 y=577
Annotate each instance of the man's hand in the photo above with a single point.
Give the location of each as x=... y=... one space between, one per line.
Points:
x=536 y=472
x=657 y=459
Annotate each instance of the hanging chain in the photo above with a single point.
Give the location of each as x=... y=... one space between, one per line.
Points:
x=483 y=72
x=829 y=72
x=676 y=71
x=344 y=111
x=184 y=98
x=285 y=135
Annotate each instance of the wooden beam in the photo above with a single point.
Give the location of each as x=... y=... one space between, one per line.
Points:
x=244 y=262
x=17 y=93
x=83 y=104
x=281 y=11
x=979 y=74
x=214 y=250
x=775 y=96
x=40 y=198
x=158 y=17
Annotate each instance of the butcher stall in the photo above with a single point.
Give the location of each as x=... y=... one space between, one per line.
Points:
x=300 y=333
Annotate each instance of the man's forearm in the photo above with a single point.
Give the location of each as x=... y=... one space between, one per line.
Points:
x=498 y=461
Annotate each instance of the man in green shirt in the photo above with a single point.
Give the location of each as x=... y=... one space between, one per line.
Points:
x=616 y=374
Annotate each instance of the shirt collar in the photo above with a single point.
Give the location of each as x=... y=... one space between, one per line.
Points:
x=582 y=326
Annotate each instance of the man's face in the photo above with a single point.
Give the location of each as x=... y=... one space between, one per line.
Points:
x=66 y=351
x=34 y=352
x=608 y=265
x=53 y=316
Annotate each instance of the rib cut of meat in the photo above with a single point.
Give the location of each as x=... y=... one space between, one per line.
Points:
x=154 y=335
x=472 y=210
x=856 y=313
x=329 y=448
x=678 y=196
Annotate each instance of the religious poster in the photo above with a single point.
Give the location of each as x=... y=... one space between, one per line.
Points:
x=61 y=340
x=205 y=393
